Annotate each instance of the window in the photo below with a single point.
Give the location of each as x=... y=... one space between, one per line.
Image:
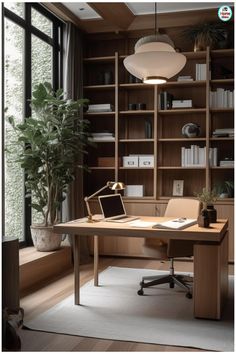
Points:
x=32 y=54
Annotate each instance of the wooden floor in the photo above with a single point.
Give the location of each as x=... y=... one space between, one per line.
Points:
x=42 y=299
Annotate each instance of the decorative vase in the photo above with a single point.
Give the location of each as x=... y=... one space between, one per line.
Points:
x=44 y=239
x=212 y=213
x=203 y=218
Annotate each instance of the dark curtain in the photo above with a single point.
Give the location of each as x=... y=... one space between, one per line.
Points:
x=73 y=207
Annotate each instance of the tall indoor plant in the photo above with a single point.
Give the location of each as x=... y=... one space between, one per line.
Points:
x=50 y=144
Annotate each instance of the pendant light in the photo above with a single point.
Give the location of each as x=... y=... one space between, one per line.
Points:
x=155 y=59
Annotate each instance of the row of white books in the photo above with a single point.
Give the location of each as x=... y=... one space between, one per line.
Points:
x=196 y=156
x=106 y=107
x=221 y=98
x=200 y=72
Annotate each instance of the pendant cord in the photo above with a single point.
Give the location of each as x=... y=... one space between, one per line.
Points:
x=155 y=18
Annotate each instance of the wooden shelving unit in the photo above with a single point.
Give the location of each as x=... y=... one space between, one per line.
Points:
x=166 y=140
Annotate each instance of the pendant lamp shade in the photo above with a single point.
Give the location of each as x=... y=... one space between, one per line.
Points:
x=155 y=59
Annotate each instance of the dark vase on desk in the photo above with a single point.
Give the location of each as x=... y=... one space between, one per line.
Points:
x=212 y=214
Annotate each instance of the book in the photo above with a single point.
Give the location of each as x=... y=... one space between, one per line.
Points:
x=175 y=224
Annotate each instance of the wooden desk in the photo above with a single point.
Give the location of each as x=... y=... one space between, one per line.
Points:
x=210 y=256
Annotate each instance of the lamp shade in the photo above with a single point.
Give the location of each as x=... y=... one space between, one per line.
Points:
x=155 y=60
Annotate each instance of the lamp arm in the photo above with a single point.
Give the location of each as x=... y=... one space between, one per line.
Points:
x=97 y=192
x=86 y=199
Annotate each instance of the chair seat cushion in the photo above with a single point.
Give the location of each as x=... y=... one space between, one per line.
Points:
x=180 y=248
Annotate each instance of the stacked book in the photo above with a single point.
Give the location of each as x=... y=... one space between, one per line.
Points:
x=184 y=78
x=200 y=72
x=227 y=163
x=102 y=136
x=106 y=107
x=224 y=132
x=165 y=100
x=195 y=156
x=221 y=98
x=182 y=104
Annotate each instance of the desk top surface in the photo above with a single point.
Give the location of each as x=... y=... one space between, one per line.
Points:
x=214 y=233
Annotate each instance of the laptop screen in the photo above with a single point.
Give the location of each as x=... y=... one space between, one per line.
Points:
x=111 y=205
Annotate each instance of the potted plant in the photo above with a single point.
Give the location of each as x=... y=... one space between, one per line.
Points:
x=50 y=143
x=208 y=34
x=207 y=198
x=226 y=189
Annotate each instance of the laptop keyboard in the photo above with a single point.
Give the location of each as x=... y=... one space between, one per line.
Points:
x=120 y=217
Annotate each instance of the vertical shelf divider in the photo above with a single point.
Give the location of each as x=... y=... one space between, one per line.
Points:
x=208 y=184
x=116 y=116
x=155 y=117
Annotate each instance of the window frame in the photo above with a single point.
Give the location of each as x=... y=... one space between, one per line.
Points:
x=57 y=81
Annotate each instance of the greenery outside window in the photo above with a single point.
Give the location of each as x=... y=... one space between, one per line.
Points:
x=31 y=54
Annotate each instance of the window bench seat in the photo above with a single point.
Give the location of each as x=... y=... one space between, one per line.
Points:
x=36 y=268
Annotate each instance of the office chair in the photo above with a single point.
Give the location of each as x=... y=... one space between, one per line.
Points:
x=178 y=207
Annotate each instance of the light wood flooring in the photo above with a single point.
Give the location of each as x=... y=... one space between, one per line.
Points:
x=50 y=294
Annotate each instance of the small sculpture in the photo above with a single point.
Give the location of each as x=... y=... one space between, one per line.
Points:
x=191 y=130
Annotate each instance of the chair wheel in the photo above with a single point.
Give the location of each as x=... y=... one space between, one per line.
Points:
x=140 y=292
x=189 y=295
x=172 y=285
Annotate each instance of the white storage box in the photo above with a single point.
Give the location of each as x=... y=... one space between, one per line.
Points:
x=134 y=190
x=146 y=161
x=182 y=104
x=130 y=161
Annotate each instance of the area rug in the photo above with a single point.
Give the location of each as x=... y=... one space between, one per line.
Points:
x=115 y=311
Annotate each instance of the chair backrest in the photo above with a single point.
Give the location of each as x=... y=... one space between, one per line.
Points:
x=183 y=207
x=178 y=207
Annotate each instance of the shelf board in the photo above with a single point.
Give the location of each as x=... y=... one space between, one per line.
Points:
x=182 y=111
x=221 y=110
x=185 y=83
x=103 y=141
x=136 y=168
x=136 y=140
x=222 y=167
x=223 y=138
x=222 y=53
x=101 y=168
x=222 y=81
x=138 y=112
x=99 y=113
x=138 y=198
x=180 y=168
x=136 y=86
x=180 y=139
x=195 y=55
x=99 y=87
x=99 y=59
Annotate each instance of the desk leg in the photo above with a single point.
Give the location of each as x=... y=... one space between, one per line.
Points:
x=76 y=248
x=96 y=256
x=210 y=278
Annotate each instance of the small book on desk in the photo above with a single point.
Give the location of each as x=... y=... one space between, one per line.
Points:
x=175 y=224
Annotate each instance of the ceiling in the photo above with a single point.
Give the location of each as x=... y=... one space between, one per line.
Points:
x=85 y=12
x=97 y=17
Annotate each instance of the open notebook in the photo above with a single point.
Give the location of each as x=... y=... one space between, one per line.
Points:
x=176 y=224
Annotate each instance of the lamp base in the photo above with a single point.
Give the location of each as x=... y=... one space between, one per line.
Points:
x=91 y=220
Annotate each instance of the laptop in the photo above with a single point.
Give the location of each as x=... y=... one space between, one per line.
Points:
x=113 y=208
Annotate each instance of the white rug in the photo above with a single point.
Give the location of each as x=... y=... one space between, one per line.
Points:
x=115 y=311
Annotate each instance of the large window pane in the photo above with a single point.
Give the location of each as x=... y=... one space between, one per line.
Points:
x=41 y=72
x=16 y=7
x=14 y=187
x=41 y=22
x=41 y=61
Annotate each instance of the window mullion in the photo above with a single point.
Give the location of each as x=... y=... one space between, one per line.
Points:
x=27 y=93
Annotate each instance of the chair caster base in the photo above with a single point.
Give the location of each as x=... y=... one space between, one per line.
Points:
x=140 y=292
x=189 y=295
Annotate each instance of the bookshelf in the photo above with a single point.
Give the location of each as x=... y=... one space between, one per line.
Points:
x=166 y=140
